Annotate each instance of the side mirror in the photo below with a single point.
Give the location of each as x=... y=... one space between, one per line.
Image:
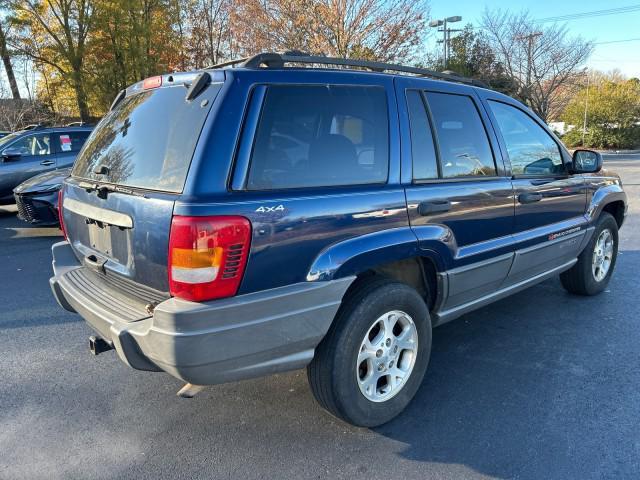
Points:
x=586 y=161
x=11 y=155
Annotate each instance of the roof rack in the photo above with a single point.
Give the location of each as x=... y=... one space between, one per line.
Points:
x=278 y=60
x=35 y=126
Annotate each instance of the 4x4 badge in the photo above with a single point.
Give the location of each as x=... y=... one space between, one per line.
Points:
x=279 y=208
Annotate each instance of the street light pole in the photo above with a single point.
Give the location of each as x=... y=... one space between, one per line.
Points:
x=586 y=108
x=446 y=37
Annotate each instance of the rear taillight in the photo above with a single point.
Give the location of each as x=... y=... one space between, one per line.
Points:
x=60 y=215
x=207 y=256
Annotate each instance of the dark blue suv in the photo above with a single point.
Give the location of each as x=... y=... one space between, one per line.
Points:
x=272 y=214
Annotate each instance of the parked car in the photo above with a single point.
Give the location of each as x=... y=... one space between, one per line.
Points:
x=257 y=218
x=37 y=198
x=36 y=150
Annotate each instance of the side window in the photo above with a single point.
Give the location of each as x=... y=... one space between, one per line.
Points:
x=462 y=140
x=423 y=151
x=311 y=136
x=531 y=149
x=33 y=145
x=71 y=141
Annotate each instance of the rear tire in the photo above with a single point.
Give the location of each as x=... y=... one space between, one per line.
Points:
x=374 y=357
x=593 y=271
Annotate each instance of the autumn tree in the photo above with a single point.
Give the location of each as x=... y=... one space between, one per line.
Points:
x=543 y=61
x=369 y=29
x=132 y=40
x=55 y=33
x=210 y=33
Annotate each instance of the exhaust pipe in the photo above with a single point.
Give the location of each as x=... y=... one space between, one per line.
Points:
x=189 y=390
x=98 y=345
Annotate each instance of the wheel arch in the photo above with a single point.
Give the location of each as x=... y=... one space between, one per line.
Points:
x=611 y=199
x=391 y=253
x=617 y=209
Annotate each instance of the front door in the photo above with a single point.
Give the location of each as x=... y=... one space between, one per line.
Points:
x=550 y=203
x=458 y=194
x=31 y=155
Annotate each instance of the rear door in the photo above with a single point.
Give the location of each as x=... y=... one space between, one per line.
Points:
x=317 y=165
x=37 y=155
x=550 y=203
x=457 y=191
x=142 y=149
x=68 y=144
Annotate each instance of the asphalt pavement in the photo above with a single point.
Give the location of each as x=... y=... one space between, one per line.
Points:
x=542 y=385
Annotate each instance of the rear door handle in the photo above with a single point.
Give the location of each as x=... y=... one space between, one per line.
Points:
x=434 y=206
x=529 y=197
x=47 y=162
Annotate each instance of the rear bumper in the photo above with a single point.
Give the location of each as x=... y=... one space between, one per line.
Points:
x=225 y=340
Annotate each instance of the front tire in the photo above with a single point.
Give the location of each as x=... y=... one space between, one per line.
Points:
x=374 y=357
x=591 y=274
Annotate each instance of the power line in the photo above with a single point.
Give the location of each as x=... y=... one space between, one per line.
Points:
x=595 y=13
x=619 y=41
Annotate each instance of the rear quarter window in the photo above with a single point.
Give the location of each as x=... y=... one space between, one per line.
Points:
x=313 y=136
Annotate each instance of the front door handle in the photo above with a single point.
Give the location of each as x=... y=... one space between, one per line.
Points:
x=529 y=197
x=47 y=162
x=430 y=207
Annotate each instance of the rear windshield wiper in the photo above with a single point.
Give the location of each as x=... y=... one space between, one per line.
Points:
x=103 y=189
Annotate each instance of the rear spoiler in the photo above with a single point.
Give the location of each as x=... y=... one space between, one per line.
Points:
x=194 y=81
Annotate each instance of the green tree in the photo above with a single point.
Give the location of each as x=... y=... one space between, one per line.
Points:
x=471 y=55
x=612 y=108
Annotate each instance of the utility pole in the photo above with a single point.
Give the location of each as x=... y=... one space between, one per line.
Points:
x=530 y=38
x=446 y=38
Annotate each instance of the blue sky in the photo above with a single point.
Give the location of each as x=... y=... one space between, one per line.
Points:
x=624 y=56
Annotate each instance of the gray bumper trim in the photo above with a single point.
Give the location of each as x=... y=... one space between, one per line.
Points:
x=214 y=342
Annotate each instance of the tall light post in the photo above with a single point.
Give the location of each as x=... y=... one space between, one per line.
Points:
x=586 y=109
x=446 y=34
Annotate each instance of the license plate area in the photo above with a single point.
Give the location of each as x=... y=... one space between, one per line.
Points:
x=109 y=240
x=100 y=237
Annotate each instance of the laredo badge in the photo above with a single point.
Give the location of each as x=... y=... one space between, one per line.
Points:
x=564 y=233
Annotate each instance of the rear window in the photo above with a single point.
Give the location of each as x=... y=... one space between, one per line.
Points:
x=71 y=141
x=463 y=143
x=312 y=136
x=148 y=140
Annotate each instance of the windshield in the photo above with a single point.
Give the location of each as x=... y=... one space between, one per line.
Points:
x=148 y=140
x=9 y=138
